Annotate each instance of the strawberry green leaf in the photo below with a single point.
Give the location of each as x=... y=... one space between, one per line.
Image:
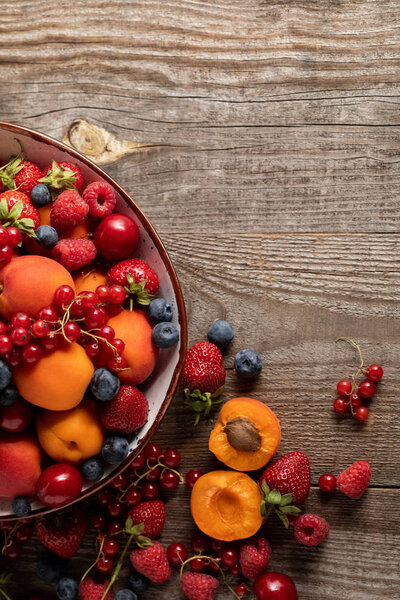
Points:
x=290 y=510
x=3 y=209
x=286 y=499
x=274 y=497
x=265 y=488
x=16 y=210
x=138 y=291
x=283 y=518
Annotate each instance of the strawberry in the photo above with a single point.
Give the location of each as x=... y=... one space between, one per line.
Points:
x=89 y=589
x=203 y=377
x=152 y=562
x=354 y=480
x=62 y=533
x=20 y=174
x=254 y=557
x=137 y=277
x=127 y=411
x=199 y=586
x=69 y=209
x=290 y=474
x=152 y=514
x=62 y=175
x=17 y=210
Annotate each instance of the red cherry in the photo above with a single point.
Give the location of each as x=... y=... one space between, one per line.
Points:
x=6 y=255
x=344 y=387
x=361 y=413
x=198 y=565
x=340 y=405
x=47 y=313
x=327 y=482
x=114 y=527
x=120 y=482
x=241 y=590
x=200 y=544
x=169 y=480
x=355 y=400
x=138 y=462
x=104 y=565
x=116 y=237
x=102 y=293
x=177 y=553
x=150 y=491
x=63 y=296
x=58 y=485
x=50 y=342
x=14 y=236
x=5 y=344
x=24 y=533
x=107 y=333
x=229 y=557
x=20 y=336
x=13 y=551
x=172 y=458
x=274 y=586
x=13 y=357
x=133 y=496
x=16 y=417
x=3 y=237
x=110 y=546
x=367 y=388
x=72 y=331
x=235 y=569
x=31 y=353
x=89 y=300
x=98 y=521
x=95 y=317
x=40 y=328
x=116 y=294
x=191 y=477
x=152 y=452
x=374 y=372
x=104 y=496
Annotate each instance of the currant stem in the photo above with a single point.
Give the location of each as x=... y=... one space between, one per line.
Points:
x=6 y=596
x=216 y=562
x=150 y=469
x=118 y=566
x=359 y=370
x=100 y=552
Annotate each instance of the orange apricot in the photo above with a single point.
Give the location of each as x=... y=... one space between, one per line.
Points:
x=87 y=280
x=58 y=380
x=246 y=435
x=71 y=435
x=226 y=505
x=20 y=458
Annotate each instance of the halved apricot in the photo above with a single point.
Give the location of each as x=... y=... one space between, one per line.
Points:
x=225 y=505
x=246 y=436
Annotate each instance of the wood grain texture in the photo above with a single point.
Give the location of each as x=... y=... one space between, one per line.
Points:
x=262 y=139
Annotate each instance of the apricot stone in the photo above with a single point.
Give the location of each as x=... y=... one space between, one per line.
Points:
x=57 y=381
x=20 y=457
x=72 y=435
x=134 y=328
x=28 y=283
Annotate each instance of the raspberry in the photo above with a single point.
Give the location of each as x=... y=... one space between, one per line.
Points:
x=354 y=480
x=253 y=561
x=68 y=210
x=199 y=586
x=152 y=514
x=127 y=411
x=91 y=590
x=101 y=199
x=74 y=253
x=152 y=562
x=310 y=529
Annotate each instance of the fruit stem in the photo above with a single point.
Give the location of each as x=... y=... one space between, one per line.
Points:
x=118 y=566
x=216 y=562
x=6 y=596
x=86 y=573
x=359 y=370
x=150 y=469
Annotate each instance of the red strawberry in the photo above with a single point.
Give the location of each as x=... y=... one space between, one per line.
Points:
x=69 y=209
x=89 y=589
x=354 y=480
x=13 y=197
x=199 y=586
x=254 y=557
x=62 y=533
x=62 y=175
x=138 y=278
x=152 y=562
x=152 y=514
x=74 y=253
x=20 y=174
x=127 y=411
x=290 y=474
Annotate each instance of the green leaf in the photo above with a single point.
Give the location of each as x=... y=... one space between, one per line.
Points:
x=3 y=209
x=143 y=542
x=265 y=488
x=283 y=518
x=290 y=510
x=128 y=523
x=274 y=497
x=130 y=279
x=286 y=499
x=16 y=211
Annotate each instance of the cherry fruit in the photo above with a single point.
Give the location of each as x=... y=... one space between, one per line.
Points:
x=58 y=485
x=177 y=553
x=116 y=237
x=327 y=482
x=274 y=586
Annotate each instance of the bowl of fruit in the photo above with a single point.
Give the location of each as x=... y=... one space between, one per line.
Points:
x=92 y=326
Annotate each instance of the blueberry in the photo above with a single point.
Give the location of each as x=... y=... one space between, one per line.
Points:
x=125 y=595
x=8 y=396
x=165 y=335
x=104 y=384
x=49 y=568
x=160 y=310
x=221 y=333
x=248 y=363
x=21 y=507
x=92 y=469
x=40 y=195
x=5 y=375
x=138 y=583
x=115 y=449
x=67 y=588
x=47 y=236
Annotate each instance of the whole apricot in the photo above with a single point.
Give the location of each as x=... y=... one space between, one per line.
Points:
x=20 y=457
x=87 y=280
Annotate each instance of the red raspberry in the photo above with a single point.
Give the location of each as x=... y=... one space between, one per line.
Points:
x=199 y=586
x=74 y=253
x=354 y=480
x=152 y=514
x=61 y=175
x=68 y=210
x=310 y=529
x=253 y=561
x=152 y=562
x=89 y=589
x=101 y=199
x=127 y=411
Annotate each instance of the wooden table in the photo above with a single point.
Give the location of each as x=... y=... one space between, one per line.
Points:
x=262 y=138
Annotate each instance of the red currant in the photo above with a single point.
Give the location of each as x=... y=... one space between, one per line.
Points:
x=116 y=508
x=138 y=462
x=89 y=299
x=217 y=545
x=98 y=521
x=241 y=590
x=77 y=309
x=13 y=357
x=177 y=553
x=47 y=313
x=235 y=569
x=374 y=372
x=24 y=533
x=116 y=294
x=21 y=319
x=20 y=336
x=113 y=309
x=102 y=293
x=50 y=342
x=361 y=413
x=72 y=331
x=200 y=544
x=63 y=296
x=340 y=405
x=229 y=557
x=13 y=551
x=104 y=496
x=95 y=317
x=169 y=480
x=6 y=255
x=154 y=474
x=214 y=566
x=6 y=526
x=40 y=328
x=14 y=236
x=150 y=491
x=355 y=400
x=110 y=546
x=107 y=333
x=344 y=387
x=92 y=350
x=198 y=564
x=5 y=344
x=3 y=328
x=120 y=482
x=31 y=353
x=191 y=477
x=104 y=565
x=152 y=452
x=114 y=527
x=327 y=482
x=117 y=363
x=119 y=345
x=172 y=458
x=3 y=237
x=367 y=388
x=133 y=496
